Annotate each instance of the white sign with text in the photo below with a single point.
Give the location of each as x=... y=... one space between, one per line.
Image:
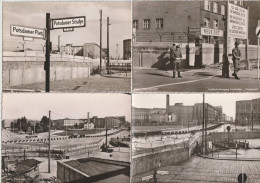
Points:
x=71 y=22
x=211 y=32
x=16 y=30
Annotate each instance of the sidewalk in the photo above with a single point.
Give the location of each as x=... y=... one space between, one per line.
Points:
x=93 y=84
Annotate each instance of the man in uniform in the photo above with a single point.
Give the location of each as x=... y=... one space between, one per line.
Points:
x=177 y=57
x=236 y=54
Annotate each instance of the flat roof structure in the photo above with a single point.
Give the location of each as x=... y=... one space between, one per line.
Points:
x=94 y=170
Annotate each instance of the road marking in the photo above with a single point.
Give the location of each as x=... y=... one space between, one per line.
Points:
x=185 y=82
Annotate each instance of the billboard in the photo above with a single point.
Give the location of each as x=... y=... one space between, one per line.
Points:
x=237 y=25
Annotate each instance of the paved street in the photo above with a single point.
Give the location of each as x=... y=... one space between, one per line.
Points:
x=92 y=84
x=202 y=170
x=196 y=80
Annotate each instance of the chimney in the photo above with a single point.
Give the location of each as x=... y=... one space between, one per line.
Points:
x=167 y=104
x=88 y=118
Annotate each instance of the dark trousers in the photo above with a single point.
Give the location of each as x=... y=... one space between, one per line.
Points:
x=176 y=67
x=236 y=65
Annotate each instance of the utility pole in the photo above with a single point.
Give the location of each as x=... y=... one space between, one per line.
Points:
x=47 y=62
x=49 y=157
x=117 y=51
x=252 y=118
x=59 y=43
x=108 y=44
x=225 y=50
x=203 y=119
x=206 y=121
x=106 y=133
x=100 y=66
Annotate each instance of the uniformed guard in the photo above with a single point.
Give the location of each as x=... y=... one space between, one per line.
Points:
x=170 y=51
x=236 y=54
x=177 y=57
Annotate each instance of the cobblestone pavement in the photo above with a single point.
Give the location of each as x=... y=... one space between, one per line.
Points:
x=91 y=84
x=200 y=170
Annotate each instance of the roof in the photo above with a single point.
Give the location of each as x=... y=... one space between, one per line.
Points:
x=26 y=165
x=102 y=170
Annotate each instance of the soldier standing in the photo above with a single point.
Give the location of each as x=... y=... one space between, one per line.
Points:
x=236 y=54
x=177 y=57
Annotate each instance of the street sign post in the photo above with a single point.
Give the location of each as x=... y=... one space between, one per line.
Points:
x=67 y=24
x=70 y=22
x=22 y=31
x=257 y=31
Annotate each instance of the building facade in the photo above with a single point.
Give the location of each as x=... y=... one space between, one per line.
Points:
x=127 y=49
x=248 y=111
x=198 y=26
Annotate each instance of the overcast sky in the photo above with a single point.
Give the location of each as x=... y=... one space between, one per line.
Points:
x=33 y=14
x=226 y=100
x=74 y=106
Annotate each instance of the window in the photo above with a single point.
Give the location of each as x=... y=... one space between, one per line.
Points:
x=146 y=24
x=206 y=22
x=135 y=24
x=223 y=9
x=207 y=5
x=215 y=7
x=215 y=24
x=159 y=23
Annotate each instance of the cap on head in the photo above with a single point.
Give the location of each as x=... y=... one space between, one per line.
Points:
x=236 y=43
x=177 y=46
x=173 y=44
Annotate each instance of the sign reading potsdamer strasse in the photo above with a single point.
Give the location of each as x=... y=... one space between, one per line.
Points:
x=71 y=22
x=211 y=32
x=16 y=30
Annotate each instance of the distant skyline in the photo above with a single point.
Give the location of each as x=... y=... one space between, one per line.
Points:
x=226 y=100
x=33 y=14
x=73 y=106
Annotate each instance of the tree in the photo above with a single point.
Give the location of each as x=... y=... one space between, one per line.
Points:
x=24 y=124
x=44 y=123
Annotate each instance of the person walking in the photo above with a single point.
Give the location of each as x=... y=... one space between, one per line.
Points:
x=177 y=57
x=236 y=54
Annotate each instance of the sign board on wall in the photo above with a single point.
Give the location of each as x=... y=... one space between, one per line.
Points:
x=71 y=22
x=16 y=30
x=237 y=25
x=211 y=32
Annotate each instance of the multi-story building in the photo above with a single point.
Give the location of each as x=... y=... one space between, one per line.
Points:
x=143 y=115
x=184 y=114
x=210 y=113
x=219 y=113
x=179 y=114
x=63 y=123
x=127 y=49
x=199 y=24
x=248 y=111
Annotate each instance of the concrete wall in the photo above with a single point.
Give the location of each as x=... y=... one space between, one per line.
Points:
x=166 y=155
x=154 y=54
x=21 y=68
x=235 y=135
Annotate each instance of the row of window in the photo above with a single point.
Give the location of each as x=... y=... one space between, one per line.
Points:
x=207 y=23
x=207 y=6
x=147 y=23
